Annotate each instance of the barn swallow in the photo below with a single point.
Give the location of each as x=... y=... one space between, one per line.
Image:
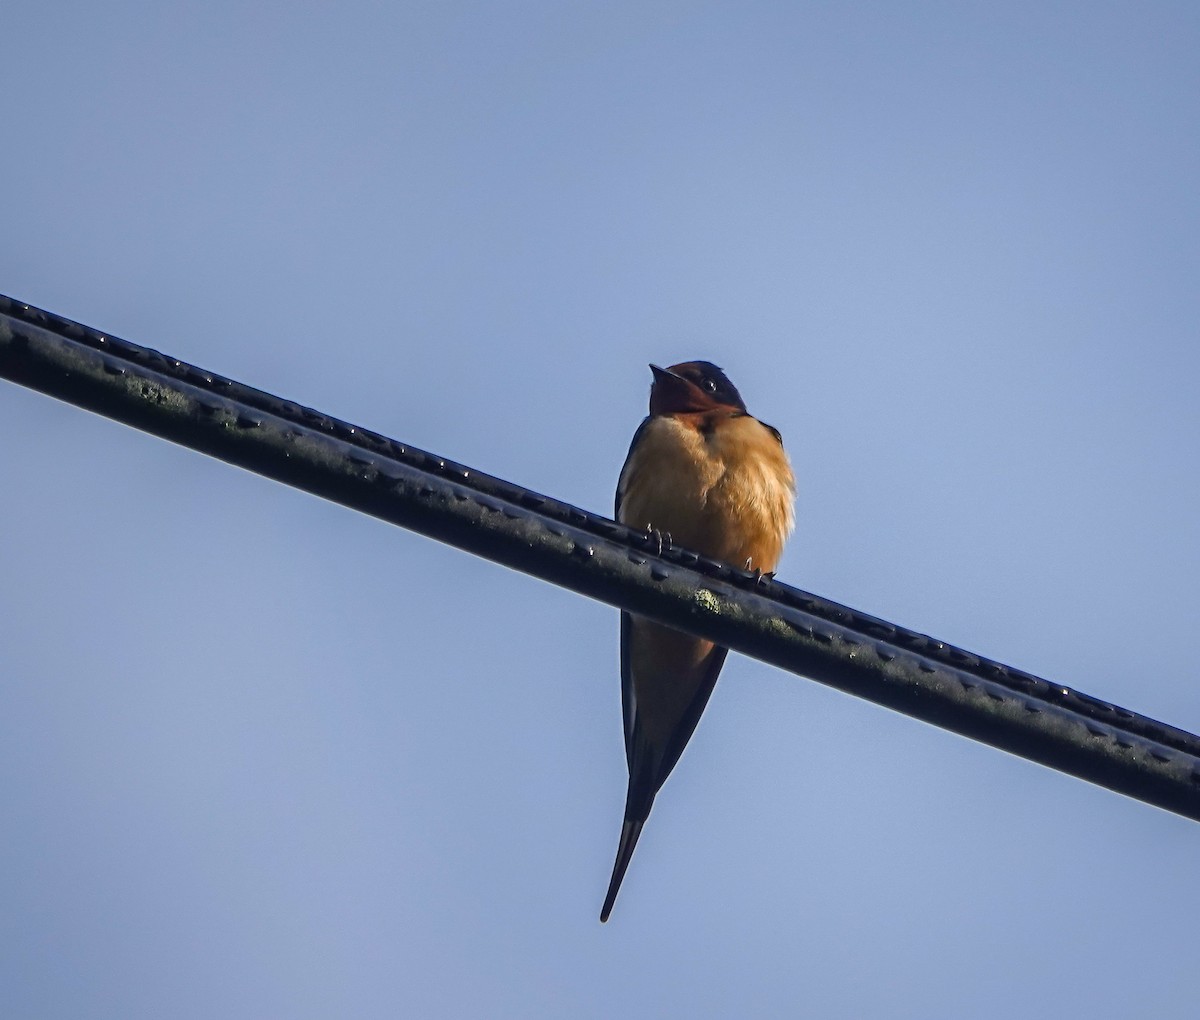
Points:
x=715 y=480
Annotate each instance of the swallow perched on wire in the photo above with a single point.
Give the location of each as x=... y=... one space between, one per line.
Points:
x=709 y=477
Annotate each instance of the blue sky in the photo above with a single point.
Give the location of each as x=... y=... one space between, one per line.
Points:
x=260 y=756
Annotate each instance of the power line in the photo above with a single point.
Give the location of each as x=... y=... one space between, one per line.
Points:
x=797 y=631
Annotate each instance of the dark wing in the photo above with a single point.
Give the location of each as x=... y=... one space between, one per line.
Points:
x=649 y=766
x=687 y=725
x=628 y=698
x=632 y=446
x=653 y=765
x=772 y=429
x=628 y=706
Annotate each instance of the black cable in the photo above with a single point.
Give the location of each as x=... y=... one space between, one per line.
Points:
x=798 y=631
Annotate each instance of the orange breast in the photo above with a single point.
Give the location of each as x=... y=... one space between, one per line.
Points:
x=726 y=492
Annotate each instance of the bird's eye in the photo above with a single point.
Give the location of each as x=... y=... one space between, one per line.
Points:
x=709 y=385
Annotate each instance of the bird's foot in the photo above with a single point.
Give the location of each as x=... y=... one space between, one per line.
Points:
x=760 y=576
x=660 y=539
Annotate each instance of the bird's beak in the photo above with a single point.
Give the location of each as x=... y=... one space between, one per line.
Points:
x=672 y=394
x=667 y=377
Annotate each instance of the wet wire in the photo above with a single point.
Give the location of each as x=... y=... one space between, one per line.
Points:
x=860 y=654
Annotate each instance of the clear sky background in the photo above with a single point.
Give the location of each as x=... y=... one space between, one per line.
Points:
x=263 y=757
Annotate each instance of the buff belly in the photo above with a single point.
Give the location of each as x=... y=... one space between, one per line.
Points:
x=725 y=492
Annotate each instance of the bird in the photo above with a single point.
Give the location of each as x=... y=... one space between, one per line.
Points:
x=704 y=474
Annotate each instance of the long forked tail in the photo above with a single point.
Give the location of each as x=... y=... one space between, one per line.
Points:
x=631 y=828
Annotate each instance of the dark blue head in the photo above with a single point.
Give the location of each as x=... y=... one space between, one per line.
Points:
x=692 y=386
